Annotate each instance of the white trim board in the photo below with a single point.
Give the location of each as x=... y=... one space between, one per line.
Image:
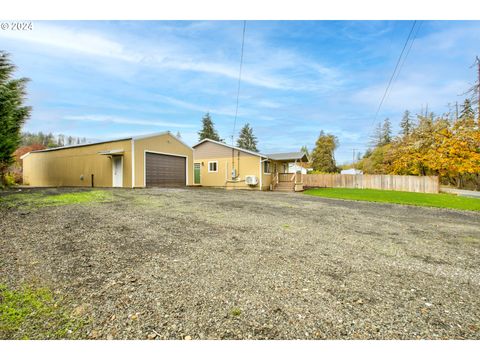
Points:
x=230 y=147
x=141 y=137
x=113 y=170
x=208 y=166
x=133 y=163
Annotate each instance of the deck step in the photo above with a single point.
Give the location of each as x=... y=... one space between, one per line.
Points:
x=285 y=186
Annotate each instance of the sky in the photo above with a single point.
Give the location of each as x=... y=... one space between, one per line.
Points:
x=111 y=79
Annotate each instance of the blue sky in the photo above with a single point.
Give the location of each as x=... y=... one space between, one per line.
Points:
x=109 y=79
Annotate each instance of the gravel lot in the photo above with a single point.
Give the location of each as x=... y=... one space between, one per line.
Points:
x=199 y=263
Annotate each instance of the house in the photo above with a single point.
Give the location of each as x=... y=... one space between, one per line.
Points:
x=293 y=168
x=351 y=172
x=217 y=164
x=159 y=159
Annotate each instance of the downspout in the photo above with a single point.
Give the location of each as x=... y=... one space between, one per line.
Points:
x=261 y=172
x=226 y=172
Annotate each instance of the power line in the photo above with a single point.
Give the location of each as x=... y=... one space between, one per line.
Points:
x=408 y=51
x=234 y=173
x=395 y=70
x=239 y=80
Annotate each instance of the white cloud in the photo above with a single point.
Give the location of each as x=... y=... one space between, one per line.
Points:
x=129 y=121
x=272 y=68
x=69 y=39
x=202 y=108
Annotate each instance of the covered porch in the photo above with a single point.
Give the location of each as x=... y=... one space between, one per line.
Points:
x=286 y=177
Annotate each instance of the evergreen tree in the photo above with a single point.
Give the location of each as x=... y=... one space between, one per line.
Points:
x=467 y=111
x=406 y=124
x=178 y=135
x=12 y=112
x=382 y=134
x=246 y=139
x=61 y=140
x=386 y=132
x=368 y=153
x=304 y=149
x=208 y=130
x=376 y=139
x=322 y=156
x=425 y=125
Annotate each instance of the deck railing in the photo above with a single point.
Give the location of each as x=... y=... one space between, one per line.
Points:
x=285 y=177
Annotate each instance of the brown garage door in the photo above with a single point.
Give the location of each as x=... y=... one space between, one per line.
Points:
x=164 y=170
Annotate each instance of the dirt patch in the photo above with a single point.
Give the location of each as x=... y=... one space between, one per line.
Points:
x=202 y=263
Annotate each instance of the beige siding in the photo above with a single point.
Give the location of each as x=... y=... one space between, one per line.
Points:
x=209 y=150
x=266 y=181
x=165 y=144
x=65 y=167
x=246 y=164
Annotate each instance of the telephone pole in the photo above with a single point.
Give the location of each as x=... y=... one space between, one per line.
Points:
x=477 y=61
x=475 y=89
x=353 y=158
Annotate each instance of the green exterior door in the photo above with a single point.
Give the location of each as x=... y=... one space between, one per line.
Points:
x=196 y=173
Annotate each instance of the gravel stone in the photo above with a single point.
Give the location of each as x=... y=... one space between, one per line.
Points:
x=174 y=263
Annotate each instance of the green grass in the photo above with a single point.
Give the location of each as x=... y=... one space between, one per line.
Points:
x=40 y=199
x=235 y=311
x=448 y=201
x=34 y=313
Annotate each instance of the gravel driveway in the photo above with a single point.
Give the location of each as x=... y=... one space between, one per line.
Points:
x=200 y=263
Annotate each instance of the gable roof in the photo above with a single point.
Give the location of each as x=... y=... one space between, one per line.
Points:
x=230 y=147
x=297 y=155
x=107 y=141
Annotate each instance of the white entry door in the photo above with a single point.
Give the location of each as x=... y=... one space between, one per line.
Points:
x=117 y=170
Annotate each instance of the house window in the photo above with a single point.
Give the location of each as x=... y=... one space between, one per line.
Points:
x=213 y=166
x=266 y=167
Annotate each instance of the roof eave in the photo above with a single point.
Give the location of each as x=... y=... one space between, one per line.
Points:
x=231 y=147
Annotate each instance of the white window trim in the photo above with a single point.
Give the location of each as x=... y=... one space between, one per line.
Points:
x=210 y=162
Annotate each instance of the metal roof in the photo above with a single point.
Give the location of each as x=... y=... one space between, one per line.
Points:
x=230 y=146
x=297 y=155
x=108 y=141
x=277 y=156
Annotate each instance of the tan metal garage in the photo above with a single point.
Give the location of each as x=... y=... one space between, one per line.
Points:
x=152 y=160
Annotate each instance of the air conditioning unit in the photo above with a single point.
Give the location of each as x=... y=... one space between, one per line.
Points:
x=251 y=180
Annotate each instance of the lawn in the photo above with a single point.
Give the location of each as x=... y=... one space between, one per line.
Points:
x=41 y=198
x=449 y=201
x=35 y=313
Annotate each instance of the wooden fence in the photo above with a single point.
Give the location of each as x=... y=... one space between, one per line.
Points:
x=422 y=184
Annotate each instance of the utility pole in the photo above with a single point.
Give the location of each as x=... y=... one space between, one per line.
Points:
x=475 y=89
x=477 y=61
x=353 y=158
x=456 y=110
